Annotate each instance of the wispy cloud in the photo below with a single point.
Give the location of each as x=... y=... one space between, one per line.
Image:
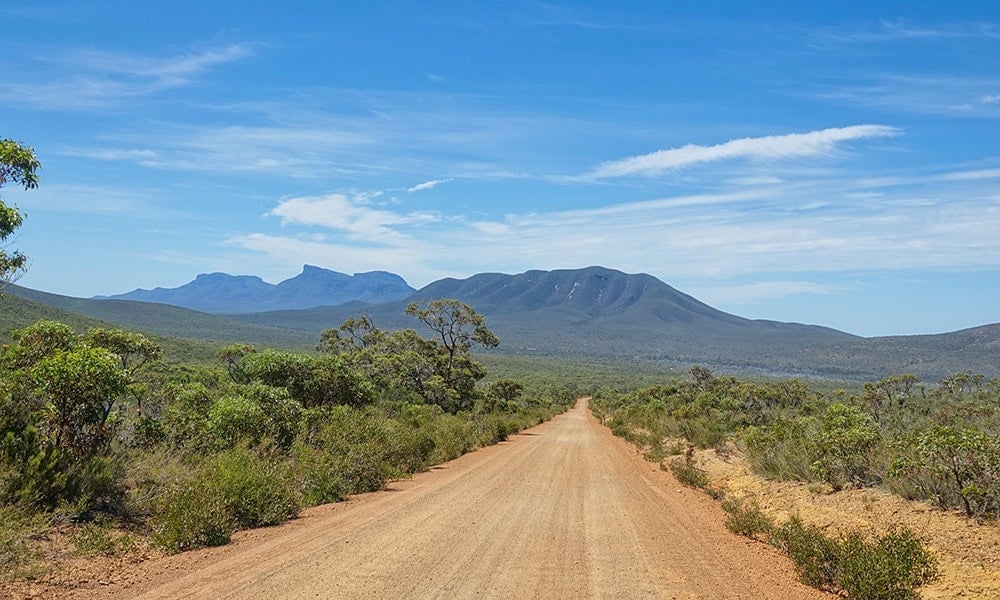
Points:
x=106 y=200
x=900 y=31
x=951 y=96
x=358 y=216
x=428 y=185
x=793 y=145
x=354 y=134
x=84 y=79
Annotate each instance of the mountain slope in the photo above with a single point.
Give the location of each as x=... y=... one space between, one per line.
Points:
x=221 y=293
x=609 y=315
x=594 y=314
x=17 y=312
x=169 y=320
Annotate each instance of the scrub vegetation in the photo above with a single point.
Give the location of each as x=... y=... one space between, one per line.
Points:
x=936 y=442
x=100 y=434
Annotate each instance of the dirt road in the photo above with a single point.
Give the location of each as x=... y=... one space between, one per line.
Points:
x=564 y=510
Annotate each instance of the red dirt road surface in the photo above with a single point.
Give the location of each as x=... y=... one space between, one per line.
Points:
x=563 y=510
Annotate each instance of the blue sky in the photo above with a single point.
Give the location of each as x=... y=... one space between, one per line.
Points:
x=832 y=163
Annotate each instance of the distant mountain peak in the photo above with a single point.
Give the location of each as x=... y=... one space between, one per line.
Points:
x=313 y=287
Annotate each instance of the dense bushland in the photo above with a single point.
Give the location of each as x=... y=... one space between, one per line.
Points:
x=93 y=429
x=936 y=442
x=939 y=443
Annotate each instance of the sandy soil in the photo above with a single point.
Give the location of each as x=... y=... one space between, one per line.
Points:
x=968 y=552
x=564 y=510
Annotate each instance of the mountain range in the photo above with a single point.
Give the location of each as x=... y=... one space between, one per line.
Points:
x=591 y=313
x=221 y=293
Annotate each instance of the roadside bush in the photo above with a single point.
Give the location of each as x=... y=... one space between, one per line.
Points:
x=257 y=412
x=98 y=538
x=452 y=438
x=192 y=513
x=747 y=519
x=688 y=474
x=258 y=490
x=320 y=475
x=814 y=555
x=890 y=567
x=238 y=488
x=32 y=471
x=361 y=443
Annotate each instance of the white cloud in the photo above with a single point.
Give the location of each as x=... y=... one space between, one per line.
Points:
x=428 y=185
x=354 y=216
x=88 y=79
x=794 y=145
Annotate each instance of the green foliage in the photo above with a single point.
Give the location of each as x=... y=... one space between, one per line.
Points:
x=257 y=489
x=954 y=466
x=781 y=450
x=255 y=413
x=890 y=567
x=192 y=513
x=842 y=445
x=747 y=519
x=133 y=349
x=37 y=341
x=439 y=369
x=98 y=538
x=79 y=388
x=17 y=164
x=240 y=487
x=815 y=556
x=688 y=474
x=232 y=356
x=311 y=381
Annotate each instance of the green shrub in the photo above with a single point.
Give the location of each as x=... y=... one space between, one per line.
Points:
x=890 y=567
x=192 y=513
x=688 y=474
x=955 y=467
x=257 y=490
x=452 y=438
x=237 y=488
x=747 y=519
x=781 y=449
x=843 y=446
x=814 y=555
x=32 y=471
x=320 y=475
x=257 y=412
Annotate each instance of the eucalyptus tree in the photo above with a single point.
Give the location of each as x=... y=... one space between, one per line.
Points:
x=19 y=165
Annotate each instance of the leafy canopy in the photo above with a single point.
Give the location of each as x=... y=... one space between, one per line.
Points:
x=19 y=165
